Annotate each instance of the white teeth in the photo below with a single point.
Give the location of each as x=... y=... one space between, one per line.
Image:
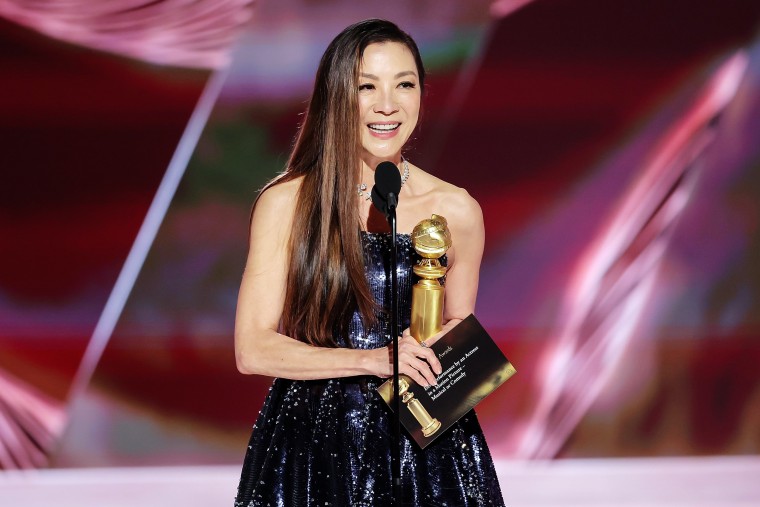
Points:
x=385 y=127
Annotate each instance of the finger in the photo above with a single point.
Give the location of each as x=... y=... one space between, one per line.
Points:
x=424 y=370
x=429 y=356
x=411 y=346
x=414 y=374
x=415 y=350
x=417 y=369
x=440 y=334
x=430 y=341
x=407 y=339
x=408 y=346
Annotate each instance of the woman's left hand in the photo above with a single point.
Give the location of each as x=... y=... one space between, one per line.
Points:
x=430 y=341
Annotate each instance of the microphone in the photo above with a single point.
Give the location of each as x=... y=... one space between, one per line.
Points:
x=387 y=186
x=385 y=198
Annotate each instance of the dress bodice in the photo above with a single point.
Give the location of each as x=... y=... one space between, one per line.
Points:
x=377 y=263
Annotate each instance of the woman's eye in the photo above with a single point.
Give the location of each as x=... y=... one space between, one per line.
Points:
x=407 y=84
x=366 y=86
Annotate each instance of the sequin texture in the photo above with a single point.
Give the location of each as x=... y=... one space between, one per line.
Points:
x=327 y=442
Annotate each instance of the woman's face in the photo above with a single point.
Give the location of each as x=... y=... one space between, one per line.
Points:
x=389 y=101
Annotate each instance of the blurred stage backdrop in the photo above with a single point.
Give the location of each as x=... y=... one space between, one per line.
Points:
x=613 y=147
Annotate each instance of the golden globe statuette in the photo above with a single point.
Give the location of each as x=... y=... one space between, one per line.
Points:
x=431 y=239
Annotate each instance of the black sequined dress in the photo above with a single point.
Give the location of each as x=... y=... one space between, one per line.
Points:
x=327 y=442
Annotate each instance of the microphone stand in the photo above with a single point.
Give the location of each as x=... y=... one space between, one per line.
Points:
x=395 y=421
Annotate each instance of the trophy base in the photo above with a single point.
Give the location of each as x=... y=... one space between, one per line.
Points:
x=431 y=428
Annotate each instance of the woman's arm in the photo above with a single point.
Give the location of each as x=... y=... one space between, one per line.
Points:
x=259 y=348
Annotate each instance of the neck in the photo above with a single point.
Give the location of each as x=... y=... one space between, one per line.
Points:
x=369 y=163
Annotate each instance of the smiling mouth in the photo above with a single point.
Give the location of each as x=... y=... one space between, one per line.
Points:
x=383 y=128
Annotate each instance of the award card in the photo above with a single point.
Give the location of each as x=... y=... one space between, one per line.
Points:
x=473 y=367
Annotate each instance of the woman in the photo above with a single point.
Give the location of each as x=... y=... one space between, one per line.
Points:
x=310 y=309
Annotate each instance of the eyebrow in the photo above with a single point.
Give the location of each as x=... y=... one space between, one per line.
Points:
x=399 y=75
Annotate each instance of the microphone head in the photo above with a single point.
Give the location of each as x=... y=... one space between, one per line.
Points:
x=387 y=179
x=380 y=203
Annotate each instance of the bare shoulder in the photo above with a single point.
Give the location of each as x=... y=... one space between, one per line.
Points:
x=465 y=221
x=460 y=209
x=459 y=206
x=275 y=203
x=280 y=196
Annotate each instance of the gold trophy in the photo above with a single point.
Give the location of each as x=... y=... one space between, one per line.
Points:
x=431 y=239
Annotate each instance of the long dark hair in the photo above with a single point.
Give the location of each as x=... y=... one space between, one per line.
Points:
x=326 y=281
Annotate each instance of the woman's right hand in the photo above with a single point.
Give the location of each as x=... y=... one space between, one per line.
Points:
x=417 y=362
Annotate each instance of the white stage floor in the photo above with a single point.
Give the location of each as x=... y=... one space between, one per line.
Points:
x=686 y=482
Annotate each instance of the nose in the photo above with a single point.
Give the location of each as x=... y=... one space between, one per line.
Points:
x=386 y=103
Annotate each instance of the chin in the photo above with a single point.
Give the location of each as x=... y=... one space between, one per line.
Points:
x=383 y=152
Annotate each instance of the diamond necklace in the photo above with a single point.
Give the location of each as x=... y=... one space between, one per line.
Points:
x=361 y=188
